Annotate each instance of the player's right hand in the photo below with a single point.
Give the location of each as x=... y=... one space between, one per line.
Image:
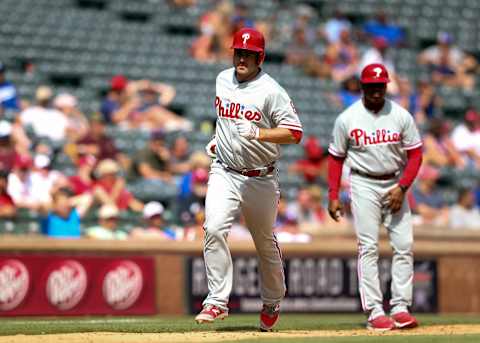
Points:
x=211 y=148
x=335 y=209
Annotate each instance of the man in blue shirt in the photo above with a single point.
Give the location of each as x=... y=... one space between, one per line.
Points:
x=8 y=92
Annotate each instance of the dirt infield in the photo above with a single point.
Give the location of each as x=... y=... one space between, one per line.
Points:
x=212 y=336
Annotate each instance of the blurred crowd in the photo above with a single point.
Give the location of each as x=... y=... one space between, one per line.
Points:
x=92 y=196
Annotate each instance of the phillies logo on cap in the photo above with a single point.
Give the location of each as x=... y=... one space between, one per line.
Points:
x=377 y=71
x=66 y=284
x=245 y=37
x=122 y=284
x=14 y=284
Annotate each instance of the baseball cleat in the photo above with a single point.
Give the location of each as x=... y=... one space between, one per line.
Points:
x=381 y=323
x=209 y=313
x=269 y=317
x=404 y=320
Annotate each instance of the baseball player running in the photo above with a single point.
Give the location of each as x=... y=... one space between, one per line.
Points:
x=254 y=116
x=379 y=141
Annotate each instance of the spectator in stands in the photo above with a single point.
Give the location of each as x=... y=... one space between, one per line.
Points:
x=82 y=182
x=77 y=125
x=313 y=166
x=43 y=180
x=19 y=185
x=423 y=102
x=193 y=186
x=180 y=156
x=7 y=151
x=342 y=57
x=45 y=120
x=350 y=92
x=285 y=220
x=335 y=26
x=110 y=187
x=439 y=149
x=116 y=96
x=477 y=195
x=300 y=52
x=428 y=202
x=193 y=229
x=97 y=143
x=465 y=214
x=216 y=31
x=466 y=138
x=8 y=93
x=378 y=53
x=62 y=217
x=286 y=227
x=7 y=206
x=450 y=65
x=309 y=211
x=183 y=3
x=153 y=163
x=300 y=49
x=15 y=133
x=146 y=108
x=380 y=27
x=155 y=226
x=107 y=227
x=303 y=209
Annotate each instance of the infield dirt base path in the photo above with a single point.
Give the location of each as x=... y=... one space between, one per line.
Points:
x=213 y=336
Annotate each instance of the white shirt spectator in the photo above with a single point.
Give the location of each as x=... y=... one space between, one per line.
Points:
x=334 y=27
x=464 y=218
x=46 y=122
x=34 y=190
x=372 y=55
x=465 y=139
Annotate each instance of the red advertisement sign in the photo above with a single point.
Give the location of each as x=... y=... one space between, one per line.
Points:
x=76 y=285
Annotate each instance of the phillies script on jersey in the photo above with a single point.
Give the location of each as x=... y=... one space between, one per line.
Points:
x=235 y=110
x=382 y=136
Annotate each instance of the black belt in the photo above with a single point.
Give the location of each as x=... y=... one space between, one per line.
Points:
x=375 y=177
x=252 y=172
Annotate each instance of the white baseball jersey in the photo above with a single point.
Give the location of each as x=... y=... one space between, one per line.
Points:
x=262 y=101
x=374 y=143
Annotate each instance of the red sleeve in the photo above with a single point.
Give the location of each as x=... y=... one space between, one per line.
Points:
x=297 y=135
x=335 y=165
x=414 y=161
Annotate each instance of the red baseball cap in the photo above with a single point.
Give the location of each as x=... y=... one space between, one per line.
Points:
x=249 y=39
x=313 y=149
x=374 y=73
x=472 y=116
x=22 y=162
x=118 y=83
x=200 y=175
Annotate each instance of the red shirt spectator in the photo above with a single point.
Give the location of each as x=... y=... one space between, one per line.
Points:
x=97 y=143
x=7 y=206
x=7 y=152
x=313 y=165
x=110 y=187
x=82 y=182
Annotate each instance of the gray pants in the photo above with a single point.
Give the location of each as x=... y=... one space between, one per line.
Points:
x=369 y=212
x=257 y=198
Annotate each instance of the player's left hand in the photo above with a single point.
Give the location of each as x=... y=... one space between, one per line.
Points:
x=394 y=199
x=246 y=129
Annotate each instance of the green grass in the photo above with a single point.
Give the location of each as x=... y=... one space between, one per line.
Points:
x=235 y=323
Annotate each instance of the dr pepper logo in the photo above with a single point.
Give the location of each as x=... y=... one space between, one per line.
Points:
x=122 y=284
x=66 y=284
x=14 y=284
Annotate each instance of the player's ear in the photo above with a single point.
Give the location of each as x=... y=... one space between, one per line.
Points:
x=260 y=58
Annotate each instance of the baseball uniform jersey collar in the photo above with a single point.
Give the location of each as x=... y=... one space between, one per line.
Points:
x=245 y=83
